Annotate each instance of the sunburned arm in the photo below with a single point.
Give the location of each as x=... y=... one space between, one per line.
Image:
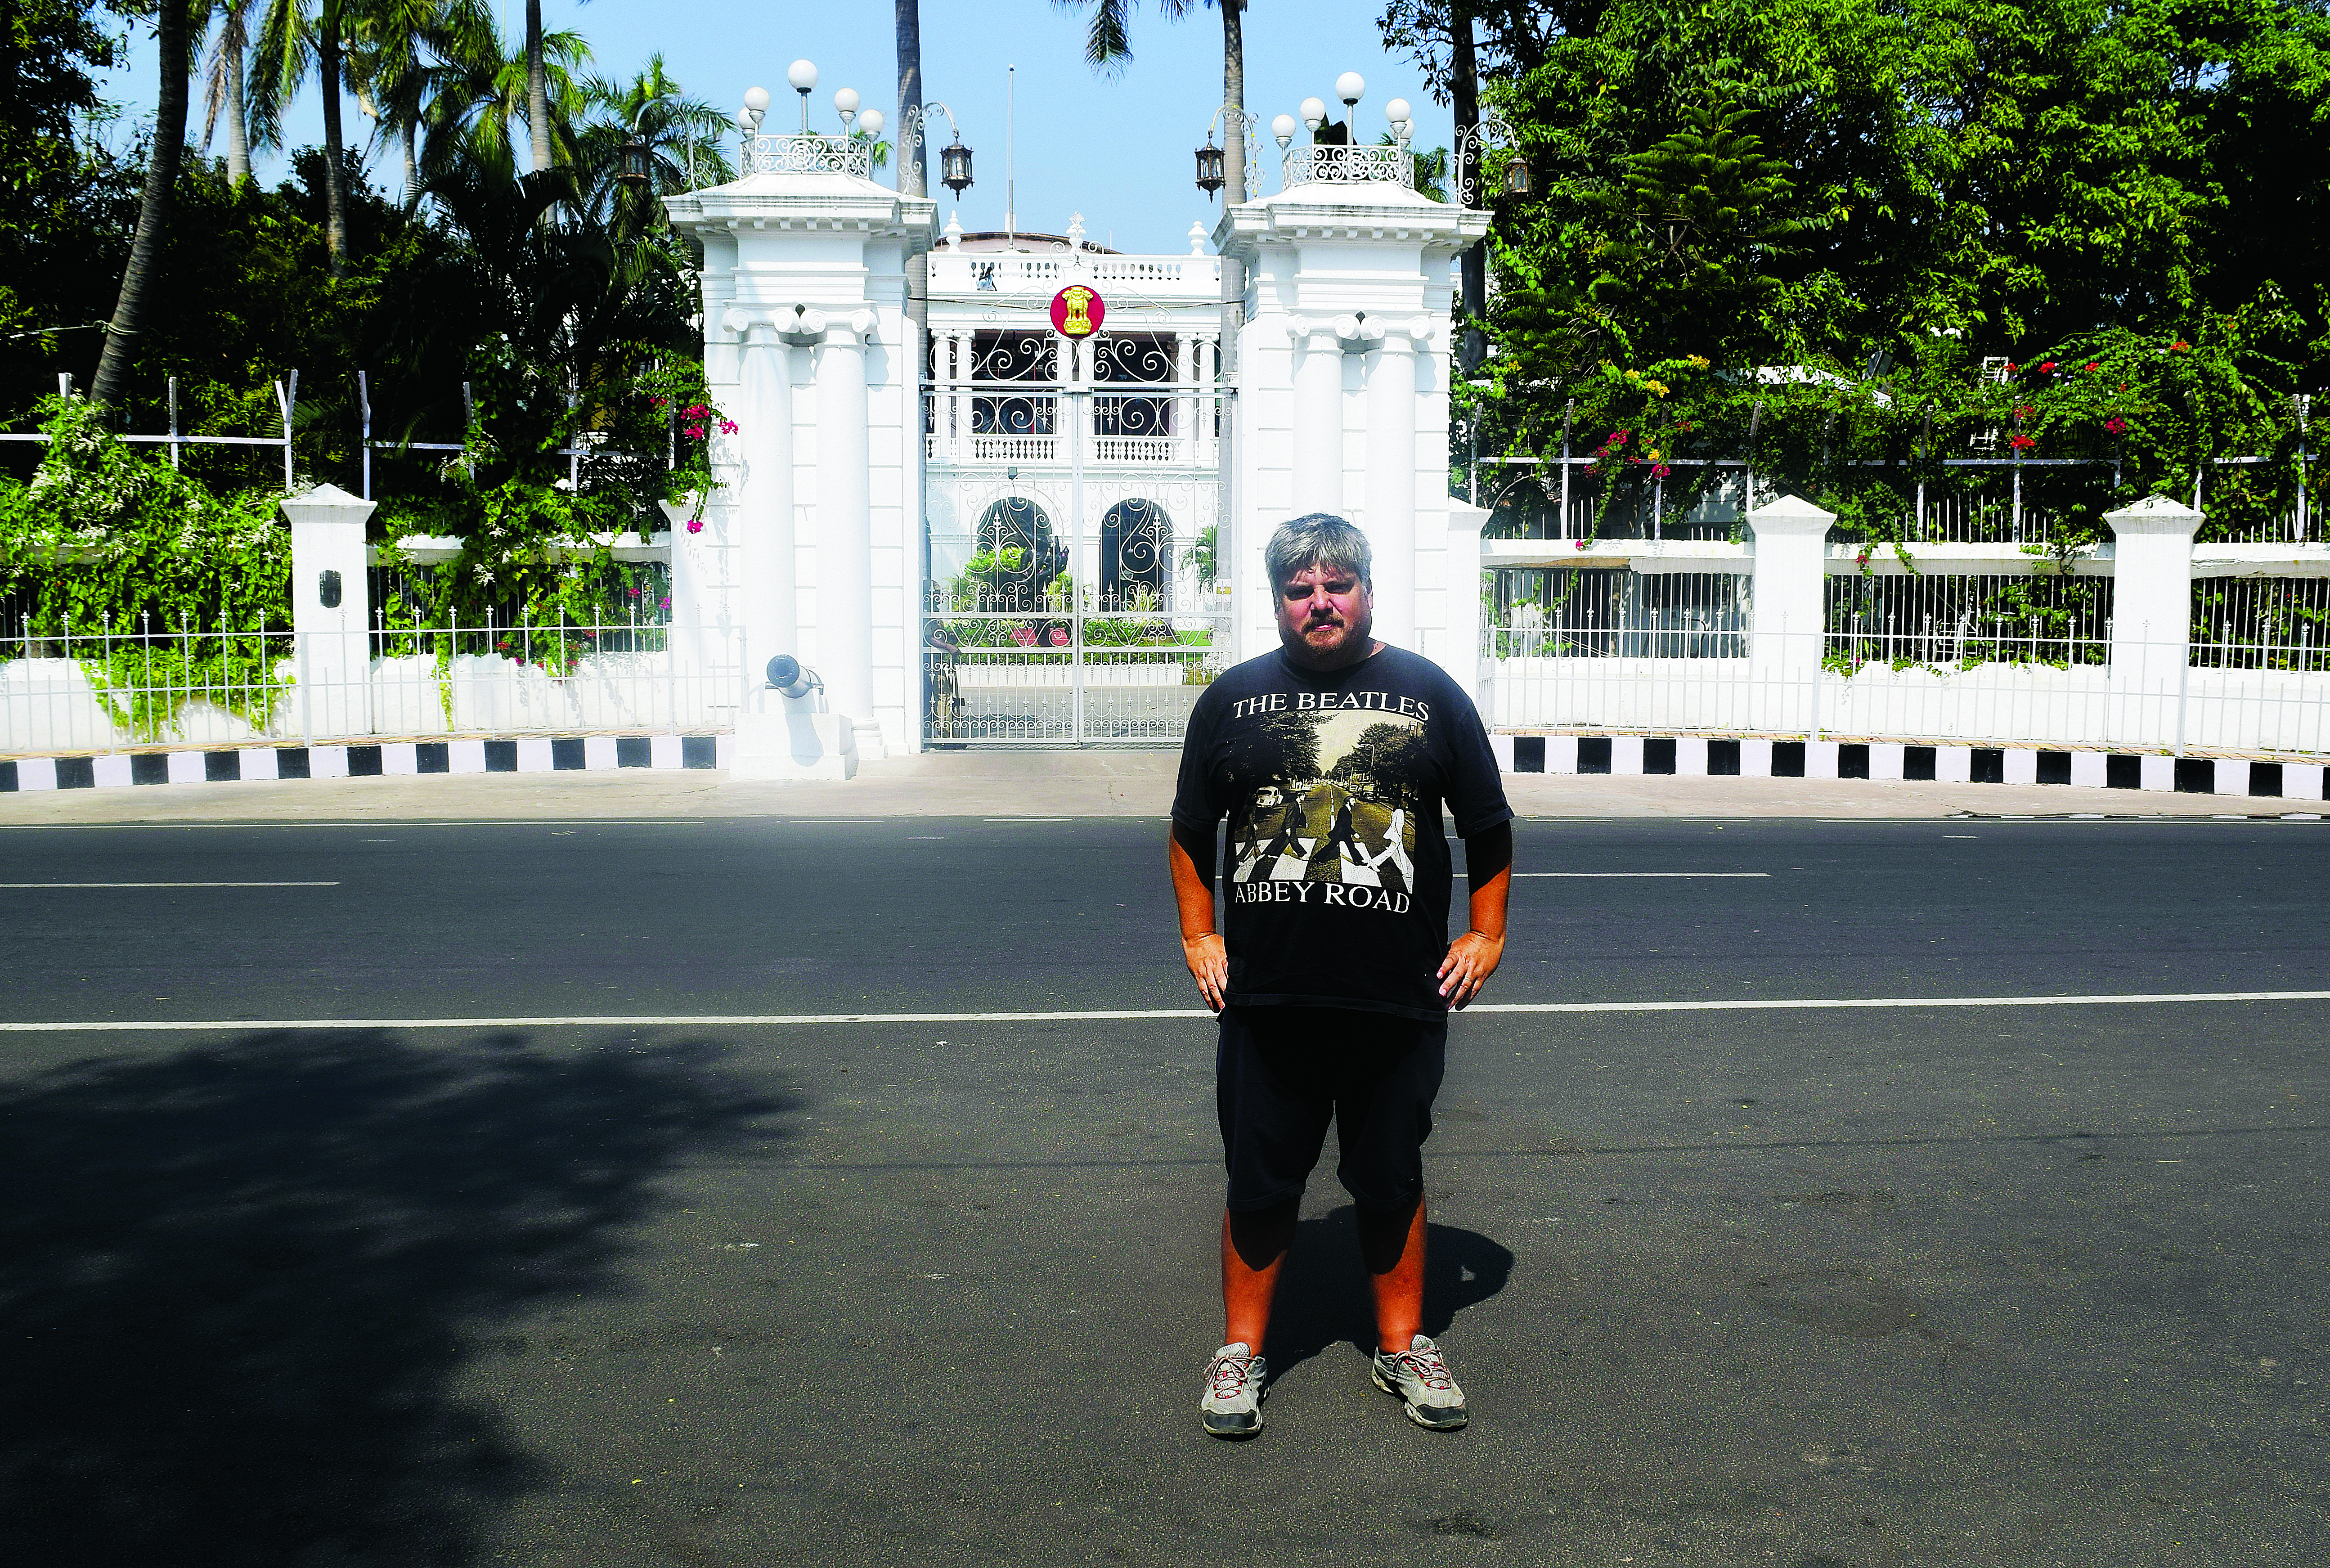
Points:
x=1474 y=956
x=1191 y=856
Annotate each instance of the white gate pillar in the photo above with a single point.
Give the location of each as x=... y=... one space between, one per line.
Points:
x=804 y=252
x=1350 y=264
x=2151 y=621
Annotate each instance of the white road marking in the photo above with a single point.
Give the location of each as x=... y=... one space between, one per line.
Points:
x=1596 y=875
x=172 y=884
x=1124 y=1014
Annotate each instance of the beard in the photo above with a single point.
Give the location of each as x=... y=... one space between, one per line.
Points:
x=1328 y=636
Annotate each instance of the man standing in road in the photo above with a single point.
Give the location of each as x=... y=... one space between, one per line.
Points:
x=1334 y=987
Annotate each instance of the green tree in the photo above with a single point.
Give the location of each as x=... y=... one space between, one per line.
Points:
x=55 y=194
x=1699 y=217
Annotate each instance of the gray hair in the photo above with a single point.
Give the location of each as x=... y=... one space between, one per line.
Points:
x=1317 y=540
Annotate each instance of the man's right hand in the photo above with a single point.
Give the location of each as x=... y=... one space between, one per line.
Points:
x=1209 y=964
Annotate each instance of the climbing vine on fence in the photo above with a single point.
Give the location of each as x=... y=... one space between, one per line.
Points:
x=535 y=549
x=108 y=543
x=2140 y=414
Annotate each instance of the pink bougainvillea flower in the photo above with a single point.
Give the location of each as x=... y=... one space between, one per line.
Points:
x=1661 y=469
x=2117 y=425
x=1581 y=544
x=727 y=427
x=695 y=525
x=657 y=401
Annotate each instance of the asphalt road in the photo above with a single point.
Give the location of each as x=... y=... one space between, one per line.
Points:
x=1815 y=1288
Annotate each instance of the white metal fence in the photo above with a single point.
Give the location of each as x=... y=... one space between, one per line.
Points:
x=2145 y=695
x=103 y=690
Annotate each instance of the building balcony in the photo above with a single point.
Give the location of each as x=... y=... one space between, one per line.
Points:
x=1100 y=451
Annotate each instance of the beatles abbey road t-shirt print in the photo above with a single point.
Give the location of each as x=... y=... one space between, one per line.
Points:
x=1336 y=871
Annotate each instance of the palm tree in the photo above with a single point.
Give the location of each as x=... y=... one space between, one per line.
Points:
x=655 y=110
x=224 y=87
x=1108 y=48
x=482 y=98
x=293 y=41
x=175 y=49
x=398 y=59
x=538 y=106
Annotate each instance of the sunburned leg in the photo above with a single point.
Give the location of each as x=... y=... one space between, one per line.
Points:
x=1391 y=1243
x=1254 y=1246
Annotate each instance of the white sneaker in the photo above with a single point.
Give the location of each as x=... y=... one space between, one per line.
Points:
x=1428 y=1390
x=1236 y=1386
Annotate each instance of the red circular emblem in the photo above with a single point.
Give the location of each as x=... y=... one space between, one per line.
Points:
x=1078 y=311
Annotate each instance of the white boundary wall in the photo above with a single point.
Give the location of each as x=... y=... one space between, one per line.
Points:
x=2149 y=696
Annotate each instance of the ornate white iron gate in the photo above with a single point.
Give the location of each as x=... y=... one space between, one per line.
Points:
x=1069 y=593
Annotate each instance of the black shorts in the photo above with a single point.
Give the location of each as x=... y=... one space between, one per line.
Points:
x=1282 y=1074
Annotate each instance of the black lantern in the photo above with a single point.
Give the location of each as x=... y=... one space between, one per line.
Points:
x=1210 y=177
x=631 y=166
x=1517 y=180
x=954 y=165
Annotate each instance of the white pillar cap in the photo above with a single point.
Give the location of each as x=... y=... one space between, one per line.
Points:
x=328 y=504
x=1790 y=517
x=2156 y=516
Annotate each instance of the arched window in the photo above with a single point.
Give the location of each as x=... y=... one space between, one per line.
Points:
x=1017 y=556
x=1136 y=549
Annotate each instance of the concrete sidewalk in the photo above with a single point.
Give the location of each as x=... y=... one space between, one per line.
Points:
x=1043 y=783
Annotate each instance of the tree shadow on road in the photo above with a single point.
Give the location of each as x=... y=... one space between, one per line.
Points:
x=238 y=1282
x=1323 y=1298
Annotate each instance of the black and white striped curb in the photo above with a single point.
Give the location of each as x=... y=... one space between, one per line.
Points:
x=1701 y=756
x=389 y=758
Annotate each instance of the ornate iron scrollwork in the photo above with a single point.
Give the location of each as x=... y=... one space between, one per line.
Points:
x=799 y=154
x=1350 y=166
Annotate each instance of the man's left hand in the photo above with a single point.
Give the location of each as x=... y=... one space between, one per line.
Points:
x=1472 y=959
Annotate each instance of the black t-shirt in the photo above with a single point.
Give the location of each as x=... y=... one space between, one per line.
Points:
x=1336 y=872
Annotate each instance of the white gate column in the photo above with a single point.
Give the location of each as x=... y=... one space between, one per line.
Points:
x=844 y=545
x=1391 y=477
x=763 y=515
x=1348 y=260
x=1318 y=420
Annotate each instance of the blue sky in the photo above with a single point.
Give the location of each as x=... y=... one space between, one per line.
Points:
x=1116 y=148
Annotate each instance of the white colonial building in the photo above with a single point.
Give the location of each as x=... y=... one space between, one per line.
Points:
x=1039 y=516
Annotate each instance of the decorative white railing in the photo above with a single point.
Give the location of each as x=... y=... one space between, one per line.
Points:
x=1138 y=448
x=1014 y=448
x=1350 y=166
x=797 y=154
x=1127 y=269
